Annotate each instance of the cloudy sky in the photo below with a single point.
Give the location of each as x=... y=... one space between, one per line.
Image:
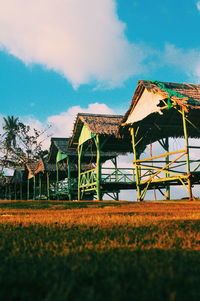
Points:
x=61 y=57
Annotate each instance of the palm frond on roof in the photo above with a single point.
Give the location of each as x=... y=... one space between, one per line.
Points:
x=184 y=94
x=156 y=124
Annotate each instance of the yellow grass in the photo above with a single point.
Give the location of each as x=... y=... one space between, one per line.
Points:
x=135 y=214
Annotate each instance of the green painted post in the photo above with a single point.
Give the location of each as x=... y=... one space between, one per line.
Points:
x=115 y=164
x=98 y=165
x=69 y=178
x=80 y=148
x=137 y=171
x=57 y=180
x=187 y=155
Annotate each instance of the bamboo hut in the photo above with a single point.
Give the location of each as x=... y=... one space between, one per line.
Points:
x=65 y=160
x=159 y=111
x=98 y=135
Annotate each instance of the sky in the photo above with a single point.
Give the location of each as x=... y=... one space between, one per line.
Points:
x=61 y=57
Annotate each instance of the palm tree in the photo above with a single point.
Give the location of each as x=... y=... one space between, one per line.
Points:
x=11 y=126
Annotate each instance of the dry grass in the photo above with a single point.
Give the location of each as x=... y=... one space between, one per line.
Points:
x=136 y=214
x=105 y=251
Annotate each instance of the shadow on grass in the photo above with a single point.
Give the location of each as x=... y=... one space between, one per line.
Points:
x=60 y=263
x=117 y=274
x=57 y=205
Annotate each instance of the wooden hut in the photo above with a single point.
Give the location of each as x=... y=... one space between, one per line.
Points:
x=159 y=111
x=98 y=135
x=65 y=160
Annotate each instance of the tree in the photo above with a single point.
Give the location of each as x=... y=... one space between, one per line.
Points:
x=20 y=144
x=11 y=127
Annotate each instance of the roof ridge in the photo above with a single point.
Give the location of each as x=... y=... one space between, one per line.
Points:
x=99 y=115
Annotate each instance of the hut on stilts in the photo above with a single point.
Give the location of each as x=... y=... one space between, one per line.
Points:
x=160 y=111
x=99 y=135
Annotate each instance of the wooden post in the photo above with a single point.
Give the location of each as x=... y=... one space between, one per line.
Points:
x=48 y=192
x=98 y=166
x=21 y=192
x=34 y=188
x=167 y=193
x=28 y=189
x=15 y=190
x=137 y=171
x=80 y=148
x=40 y=185
x=187 y=155
x=115 y=164
x=69 y=178
x=57 y=179
x=9 y=192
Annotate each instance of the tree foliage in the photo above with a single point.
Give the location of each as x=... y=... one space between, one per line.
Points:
x=19 y=143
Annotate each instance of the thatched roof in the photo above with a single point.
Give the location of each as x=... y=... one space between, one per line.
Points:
x=59 y=145
x=185 y=95
x=106 y=126
x=32 y=167
x=160 y=123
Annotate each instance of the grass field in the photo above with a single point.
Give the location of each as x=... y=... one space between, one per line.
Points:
x=99 y=250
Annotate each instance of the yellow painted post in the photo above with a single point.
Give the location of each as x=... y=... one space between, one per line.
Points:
x=187 y=155
x=167 y=194
x=137 y=171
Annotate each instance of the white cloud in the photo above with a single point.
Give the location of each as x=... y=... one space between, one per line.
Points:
x=82 y=40
x=62 y=124
x=188 y=61
x=198 y=5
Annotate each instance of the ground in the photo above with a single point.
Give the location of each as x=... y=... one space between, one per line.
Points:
x=99 y=250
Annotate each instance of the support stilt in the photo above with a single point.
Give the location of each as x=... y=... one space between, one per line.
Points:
x=80 y=148
x=98 y=165
x=69 y=178
x=137 y=171
x=48 y=192
x=187 y=155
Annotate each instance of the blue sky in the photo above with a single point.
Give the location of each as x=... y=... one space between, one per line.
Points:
x=57 y=59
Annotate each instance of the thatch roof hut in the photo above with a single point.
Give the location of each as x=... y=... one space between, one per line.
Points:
x=156 y=110
x=88 y=126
